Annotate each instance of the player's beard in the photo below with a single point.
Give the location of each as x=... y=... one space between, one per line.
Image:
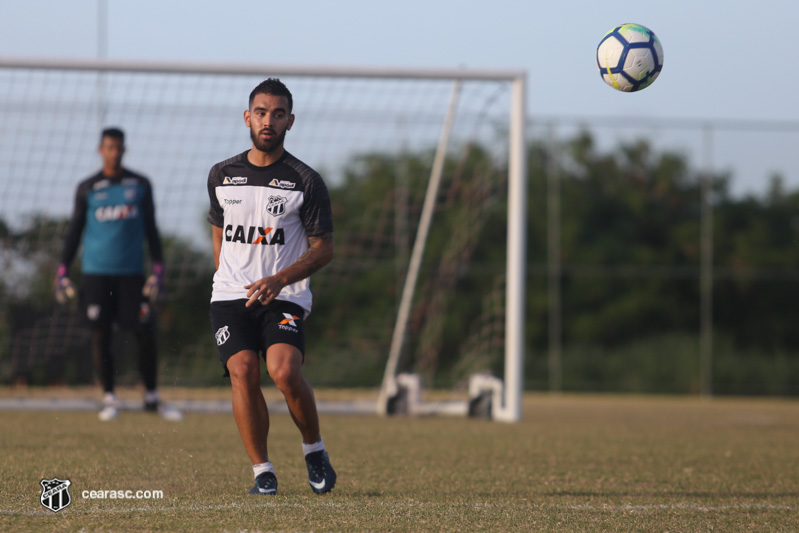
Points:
x=267 y=145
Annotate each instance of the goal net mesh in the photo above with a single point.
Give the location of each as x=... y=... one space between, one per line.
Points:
x=372 y=139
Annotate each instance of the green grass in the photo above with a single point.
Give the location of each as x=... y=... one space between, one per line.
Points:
x=575 y=463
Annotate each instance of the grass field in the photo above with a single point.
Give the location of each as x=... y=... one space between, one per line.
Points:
x=575 y=463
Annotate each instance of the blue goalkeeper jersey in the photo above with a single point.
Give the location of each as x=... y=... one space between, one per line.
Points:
x=114 y=216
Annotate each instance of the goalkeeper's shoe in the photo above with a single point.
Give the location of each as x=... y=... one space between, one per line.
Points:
x=165 y=411
x=321 y=475
x=110 y=410
x=266 y=484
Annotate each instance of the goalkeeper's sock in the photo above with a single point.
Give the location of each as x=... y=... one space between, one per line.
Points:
x=259 y=469
x=109 y=398
x=315 y=447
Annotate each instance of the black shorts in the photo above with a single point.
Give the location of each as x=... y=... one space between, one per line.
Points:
x=237 y=327
x=108 y=299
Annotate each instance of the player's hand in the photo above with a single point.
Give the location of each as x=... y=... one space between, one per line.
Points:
x=154 y=284
x=264 y=290
x=64 y=290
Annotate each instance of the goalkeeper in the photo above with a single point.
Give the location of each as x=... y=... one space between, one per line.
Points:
x=114 y=214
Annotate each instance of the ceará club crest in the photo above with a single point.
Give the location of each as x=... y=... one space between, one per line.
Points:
x=55 y=494
x=276 y=205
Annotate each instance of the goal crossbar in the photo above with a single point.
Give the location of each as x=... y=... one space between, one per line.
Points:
x=250 y=69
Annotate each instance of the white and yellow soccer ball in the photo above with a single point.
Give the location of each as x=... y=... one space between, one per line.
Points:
x=629 y=57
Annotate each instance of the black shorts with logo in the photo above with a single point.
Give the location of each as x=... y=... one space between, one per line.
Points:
x=237 y=327
x=117 y=298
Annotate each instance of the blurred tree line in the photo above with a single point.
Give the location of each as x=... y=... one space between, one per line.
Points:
x=630 y=280
x=630 y=284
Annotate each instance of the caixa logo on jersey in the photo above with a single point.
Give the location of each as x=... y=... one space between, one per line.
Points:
x=115 y=212
x=254 y=235
x=55 y=493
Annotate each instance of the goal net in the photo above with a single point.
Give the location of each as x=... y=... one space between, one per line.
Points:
x=376 y=136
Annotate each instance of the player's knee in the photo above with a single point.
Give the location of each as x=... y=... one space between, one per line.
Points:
x=243 y=370
x=285 y=376
x=284 y=364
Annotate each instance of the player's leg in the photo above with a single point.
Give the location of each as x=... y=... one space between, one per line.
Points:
x=97 y=295
x=136 y=315
x=101 y=353
x=249 y=406
x=284 y=364
x=145 y=334
x=252 y=417
x=236 y=329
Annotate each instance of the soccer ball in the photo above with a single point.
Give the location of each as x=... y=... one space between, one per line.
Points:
x=629 y=57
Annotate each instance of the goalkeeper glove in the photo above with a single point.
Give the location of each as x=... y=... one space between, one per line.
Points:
x=154 y=284
x=63 y=286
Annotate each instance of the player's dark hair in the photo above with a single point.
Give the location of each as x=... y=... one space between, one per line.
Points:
x=113 y=133
x=274 y=87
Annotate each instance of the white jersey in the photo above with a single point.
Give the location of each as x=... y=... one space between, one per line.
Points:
x=266 y=215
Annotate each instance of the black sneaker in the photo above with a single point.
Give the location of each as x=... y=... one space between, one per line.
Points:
x=321 y=475
x=151 y=407
x=265 y=483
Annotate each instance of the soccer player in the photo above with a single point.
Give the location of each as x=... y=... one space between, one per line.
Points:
x=113 y=215
x=272 y=229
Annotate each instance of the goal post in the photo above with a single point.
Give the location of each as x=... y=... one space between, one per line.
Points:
x=509 y=409
x=517 y=258
x=388 y=386
x=183 y=117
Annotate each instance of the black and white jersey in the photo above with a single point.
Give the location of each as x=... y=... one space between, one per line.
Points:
x=266 y=215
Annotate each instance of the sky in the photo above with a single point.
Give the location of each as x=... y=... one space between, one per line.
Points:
x=723 y=60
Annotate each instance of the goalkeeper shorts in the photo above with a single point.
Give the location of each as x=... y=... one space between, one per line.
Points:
x=114 y=298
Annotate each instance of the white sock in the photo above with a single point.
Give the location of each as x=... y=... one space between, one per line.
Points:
x=259 y=469
x=151 y=396
x=109 y=398
x=310 y=448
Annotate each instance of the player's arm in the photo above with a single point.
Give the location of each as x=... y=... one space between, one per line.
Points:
x=216 y=216
x=155 y=282
x=319 y=253
x=76 y=225
x=63 y=286
x=216 y=237
x=154 y=285
x=151 y=230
